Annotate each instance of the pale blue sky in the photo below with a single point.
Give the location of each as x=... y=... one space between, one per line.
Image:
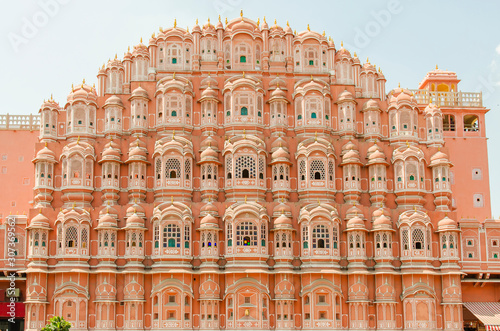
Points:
x=79 y=36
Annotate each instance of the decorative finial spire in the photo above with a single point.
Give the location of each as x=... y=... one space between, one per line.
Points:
x=175 y=22
x=245 y=199
x=161 y=29
x=78 y=140
x=258 y=22
x=319 y=202
x=226 y=20
x=172 y=199
x=308 y=28
x=341 y=43
x=312 y=78
x=436 y=66
x=316 y=136
x=45 y=144
x=209 y=21
x=243 y=74
x=173 y=135
x=399 y=85
x=287 y=23
x=355 y=55
x=187 y=29
x=196 y=21
x=244 y=133
x=324 y=33
x=153 y=35
x=174 y=75
x=294 y=31
x=275 y=22
x=367 y=60
x=219 y=18
x=407 y=144
x=83 y=81
x=241 y=14
x=73 y=88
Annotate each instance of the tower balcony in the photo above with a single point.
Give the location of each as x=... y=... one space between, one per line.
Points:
x=448 y=99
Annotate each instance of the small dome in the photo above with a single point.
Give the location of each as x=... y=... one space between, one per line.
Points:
x=342 y=52
x=371 y=105
x=135 y=221
x=349 y=147
x=209 y=208
x=113 y=101
x=446 y=223
x=439 y=155
x=355 y=223
x=46 y=154
x=439 y=158
x=377 y=155
x=209 y=93
x=209 y=154
x=431 y=109
x=382 y=220
x=353 y=211
x=278 y=93
x=374 y=148
x=139 y=92
x=135 y=208
x=39 y=221
x=378 y=212
x=345 y=96
x=279 y=142
x=108 y=210
x=209 y=220
x=282 y=220
x=282 y=208
x=111 y=153
x=209 y=141
x=280 y=153
x=106 y=221
x=137 y=152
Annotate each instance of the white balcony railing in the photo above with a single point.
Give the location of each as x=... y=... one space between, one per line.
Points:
x=449 y=99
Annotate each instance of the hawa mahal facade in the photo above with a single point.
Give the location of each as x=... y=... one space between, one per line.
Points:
x=246 y=176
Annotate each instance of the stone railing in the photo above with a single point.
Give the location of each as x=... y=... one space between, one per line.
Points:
x=20 y=122
x=449 y=99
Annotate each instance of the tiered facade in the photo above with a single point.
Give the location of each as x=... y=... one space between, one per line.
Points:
x=244 y=176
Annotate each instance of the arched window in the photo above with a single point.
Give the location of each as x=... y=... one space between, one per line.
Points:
x=246 y=234
x=320 y=237
x=172 y=236
x=244 y=111
x=245 y=166
x=418 y=238
x=71 y=237
x=317 y=170
x=313 y=115
x=471 y=123
x=173 y=168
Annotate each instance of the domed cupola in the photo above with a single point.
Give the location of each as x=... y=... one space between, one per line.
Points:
x=351 y=170
x=81 y=112
x=111 y=163
x=278 y=109
x=347 y=114
x=434 y=121
x=377 y=169
x=440 y=165
x=49 y=113
x=449 y=240
x=368 y=78
x=372 y=120
x=38 y=231
x=356 y=241
x=281 y=163
x=210 y=164
x=383 y=235
x=209 y=234
x=139 y=101
x=403 y=116
x=44 y=161
x=137 y=163
x=140 y=62
x=107 y=232
x=209 y=101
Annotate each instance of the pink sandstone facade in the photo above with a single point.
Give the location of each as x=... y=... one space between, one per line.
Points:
x=245 y=176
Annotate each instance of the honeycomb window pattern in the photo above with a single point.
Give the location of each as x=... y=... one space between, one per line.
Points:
x=245 y=167
x=246 y=234
x=317 y=170
x=172 y=168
